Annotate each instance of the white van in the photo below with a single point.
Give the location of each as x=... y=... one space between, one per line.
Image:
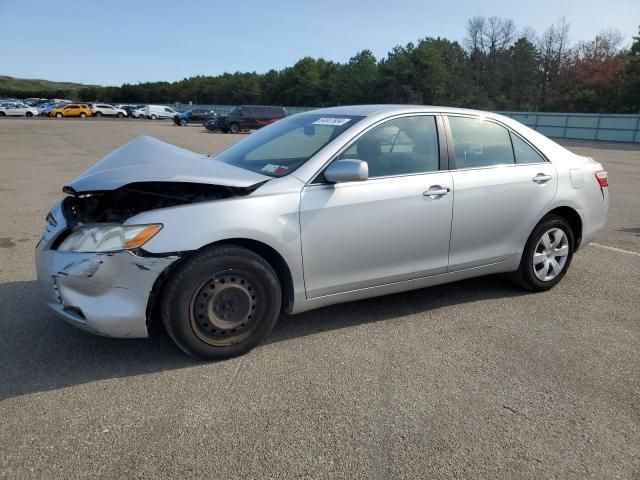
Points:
x=159 y=111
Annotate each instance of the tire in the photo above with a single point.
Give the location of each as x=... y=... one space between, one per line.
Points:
x=221 y=302
x=545 y=270
x=183 y=122
x=234 y=128
x=59 y=115
x=83 y=115
x=98 y=114
x=153 y=117
x=120 y=115
x=29 y=114
x=2 y=114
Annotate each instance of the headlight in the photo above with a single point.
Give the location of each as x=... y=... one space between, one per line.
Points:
x=108 y=238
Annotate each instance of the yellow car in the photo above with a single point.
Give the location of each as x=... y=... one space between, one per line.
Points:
x=71 y=110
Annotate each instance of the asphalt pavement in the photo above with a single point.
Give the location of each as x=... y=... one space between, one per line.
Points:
x=476 y=379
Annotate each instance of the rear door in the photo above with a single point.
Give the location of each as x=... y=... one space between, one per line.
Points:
x=502 y=185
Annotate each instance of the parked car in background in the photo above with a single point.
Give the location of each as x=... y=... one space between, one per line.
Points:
x=136 y=111
x=45 y=108
x=247 y=117
x=197 y=115
x=221 y=245
x=17 y=109
x=107 y=110
x=71 y=110
x=154 y=112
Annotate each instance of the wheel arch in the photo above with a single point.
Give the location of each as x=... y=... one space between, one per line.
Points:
x=271 y=255
x=573 y=217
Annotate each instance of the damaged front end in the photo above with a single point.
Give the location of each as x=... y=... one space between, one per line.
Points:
x=90 y=270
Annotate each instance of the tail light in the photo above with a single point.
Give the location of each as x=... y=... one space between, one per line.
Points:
x=603 y=178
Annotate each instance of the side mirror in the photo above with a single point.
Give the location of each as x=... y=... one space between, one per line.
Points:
x=347 y=171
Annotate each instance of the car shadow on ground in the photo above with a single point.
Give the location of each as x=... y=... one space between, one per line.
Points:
x=39 y=352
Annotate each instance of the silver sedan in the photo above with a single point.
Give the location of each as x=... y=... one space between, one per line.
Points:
x=319 y=208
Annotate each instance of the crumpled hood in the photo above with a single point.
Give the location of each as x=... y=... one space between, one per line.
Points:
x=146 y=159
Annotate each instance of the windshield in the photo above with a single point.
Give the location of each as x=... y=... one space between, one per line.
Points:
x=283 y=146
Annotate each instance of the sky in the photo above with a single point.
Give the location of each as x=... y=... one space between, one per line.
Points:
x=116 y=41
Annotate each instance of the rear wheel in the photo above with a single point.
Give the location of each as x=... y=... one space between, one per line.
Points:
x=98 y=114
x=29 y=114
x=234 y=128
x=183 y=122
x=83 y=115
x=221 y=302
x=547 y=254
x=120 y=115
x=2 y=114
x=59 y=115
x=153 y=117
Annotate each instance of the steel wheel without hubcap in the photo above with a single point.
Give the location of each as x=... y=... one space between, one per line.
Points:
x=223 y=308
x=550 y=254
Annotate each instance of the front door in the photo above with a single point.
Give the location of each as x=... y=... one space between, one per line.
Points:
x=387 y=228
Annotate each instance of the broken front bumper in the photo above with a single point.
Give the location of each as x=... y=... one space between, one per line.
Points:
x=104 y=293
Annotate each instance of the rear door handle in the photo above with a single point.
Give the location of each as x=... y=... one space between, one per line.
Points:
x=542 y=178
x=435 y=191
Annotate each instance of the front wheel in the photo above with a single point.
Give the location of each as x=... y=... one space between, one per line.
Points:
x=183 y=122
x=29 y=114
x=98 y=114
x=234 y=128
x=59 y=115
x=153 y=117
x=547 y=255
x=221 y=302
x=120 y=115
x=83 y=115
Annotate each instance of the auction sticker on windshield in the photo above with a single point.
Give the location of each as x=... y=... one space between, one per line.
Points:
x=336 y=122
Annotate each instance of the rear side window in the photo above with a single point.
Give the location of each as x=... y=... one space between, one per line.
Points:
x=480 y=143
x=524 y=152
x=401 y=146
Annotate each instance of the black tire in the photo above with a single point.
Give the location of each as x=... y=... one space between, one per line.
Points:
x=183 y=122
x=98 y=114
x=525 y=276
x=234 y=128
x=2 y=114
x=83 y=115
x=120 y=115
x=29 y=114
x=59 y=115
x=221 y=281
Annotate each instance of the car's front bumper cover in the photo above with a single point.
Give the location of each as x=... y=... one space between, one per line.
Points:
x=104 y=293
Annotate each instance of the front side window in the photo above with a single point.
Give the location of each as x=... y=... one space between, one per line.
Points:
x=285 y=145
x=480 y=143
x=401 y=146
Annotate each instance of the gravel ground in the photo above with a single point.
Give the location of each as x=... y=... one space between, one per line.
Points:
x=471 y=380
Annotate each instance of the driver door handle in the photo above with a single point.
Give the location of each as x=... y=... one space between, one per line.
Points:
x=435 y=191
x=541 y=178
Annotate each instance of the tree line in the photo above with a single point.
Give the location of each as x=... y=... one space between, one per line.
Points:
x=497 y=67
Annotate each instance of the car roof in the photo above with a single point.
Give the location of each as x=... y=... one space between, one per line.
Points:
x=367 y=110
